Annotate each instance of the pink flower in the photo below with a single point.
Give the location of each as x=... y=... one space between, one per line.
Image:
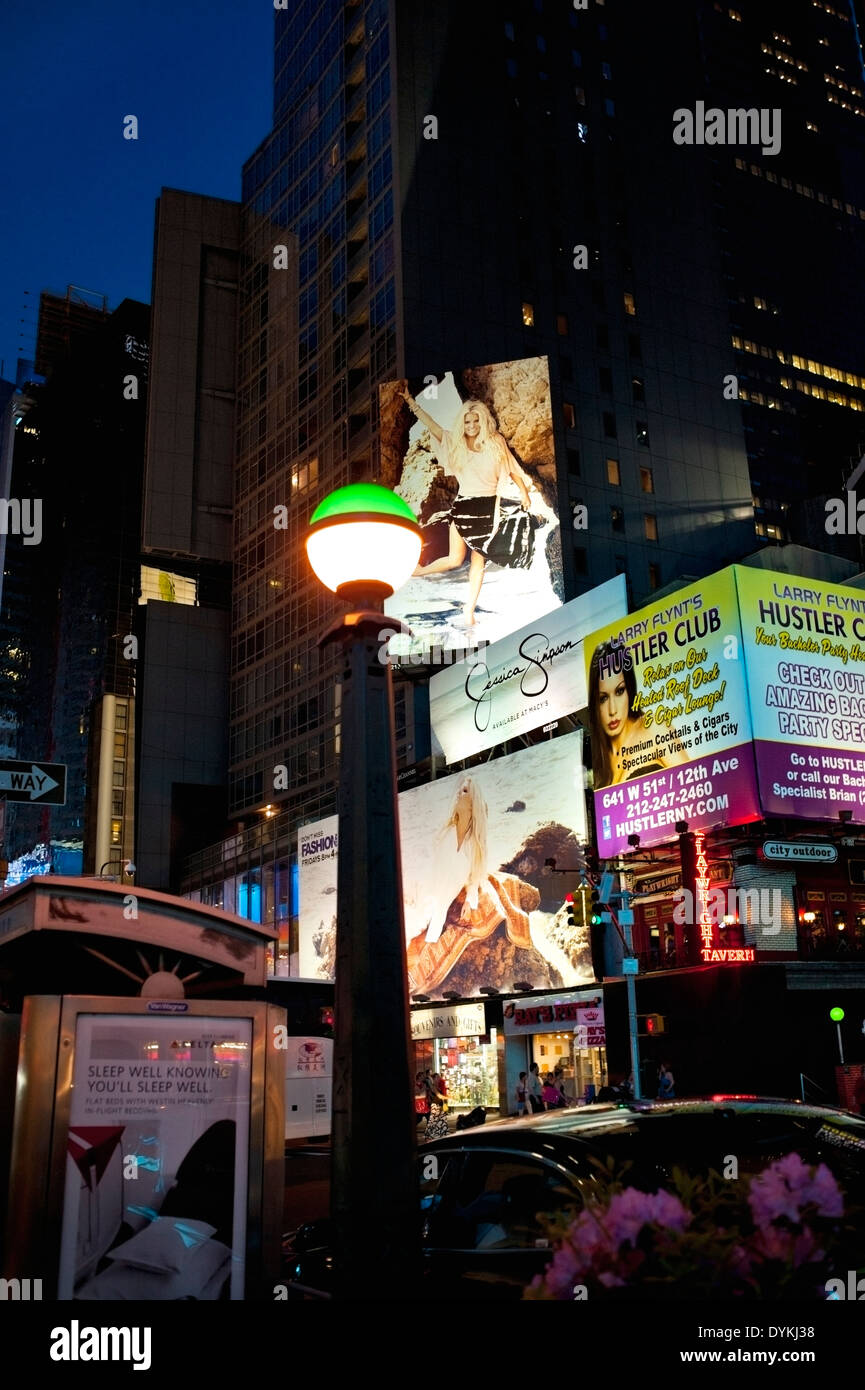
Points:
x=786 y=1187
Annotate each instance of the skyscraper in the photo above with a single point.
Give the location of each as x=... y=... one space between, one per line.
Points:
x=456 y=185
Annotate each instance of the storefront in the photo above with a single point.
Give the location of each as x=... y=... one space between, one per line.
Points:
x=564 y=1033
x=458 y=1043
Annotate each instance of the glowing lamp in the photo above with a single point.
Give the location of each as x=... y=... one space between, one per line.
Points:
x=363 y=541
x=836 y=1015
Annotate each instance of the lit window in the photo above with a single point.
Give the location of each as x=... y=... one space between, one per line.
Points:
x=579 y=93
x=613 y=475
x=561 y=324
x=650 y=527
x=528 y=315
x=617 y=519
x=606 y=71
x=647 y=482
x=654 y=576
x=643 y=433
x=582 y=132
x=569 y=415
x=630 y=306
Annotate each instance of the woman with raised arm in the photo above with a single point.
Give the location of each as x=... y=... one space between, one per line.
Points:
x=476 y=454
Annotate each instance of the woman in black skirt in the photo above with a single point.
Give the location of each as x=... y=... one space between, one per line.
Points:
x=476 y=454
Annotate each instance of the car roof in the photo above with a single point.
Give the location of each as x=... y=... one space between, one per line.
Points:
x=583 y=1122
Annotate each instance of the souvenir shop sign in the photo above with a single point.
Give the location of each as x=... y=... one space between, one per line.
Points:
x=462 y=1021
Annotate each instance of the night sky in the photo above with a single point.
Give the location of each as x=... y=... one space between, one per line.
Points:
x=79 y=198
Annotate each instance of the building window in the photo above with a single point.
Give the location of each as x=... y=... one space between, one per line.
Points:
x=630 y=306
x=580 y=94
x=569 y=414
x=609 y=424
x=647 y=482
x=605 y=376
x=566 y=368
x=576 y=58
x=541 y=43
x=654 y=576
x=609 y=107
x=512 y=67
x=650 y=527
x=574 y=462
x=643 y=433
x=634 y=346
x=639 y=390
x=528 y=315
x=509 y=30
x=561 y=324
x=606 y=72
x=617 y=519
x=613 y=475
x=581 y=559
x=602 y=337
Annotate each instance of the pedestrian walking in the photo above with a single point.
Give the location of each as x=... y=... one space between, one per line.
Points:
x=437 y=1125
x=666 y=1083
x=534 y=1089
x=421 y=1099
x=522 y=1103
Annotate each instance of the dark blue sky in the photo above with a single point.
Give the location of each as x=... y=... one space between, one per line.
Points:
x=79 y=199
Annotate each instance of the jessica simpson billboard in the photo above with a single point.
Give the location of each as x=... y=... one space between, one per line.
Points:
x=669 y=718
x=480 y=907
x=472 y=453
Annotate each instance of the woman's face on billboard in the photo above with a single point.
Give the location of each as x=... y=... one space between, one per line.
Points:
x=613 y=704
x=472 y=424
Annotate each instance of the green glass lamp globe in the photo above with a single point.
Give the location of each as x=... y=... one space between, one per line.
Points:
x=363 y=539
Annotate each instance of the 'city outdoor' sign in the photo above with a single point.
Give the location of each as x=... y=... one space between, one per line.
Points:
x=792 y=851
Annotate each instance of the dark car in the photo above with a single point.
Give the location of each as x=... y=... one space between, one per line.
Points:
x=482 y=1196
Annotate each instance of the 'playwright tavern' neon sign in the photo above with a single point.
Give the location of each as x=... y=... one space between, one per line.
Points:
x=709 y=951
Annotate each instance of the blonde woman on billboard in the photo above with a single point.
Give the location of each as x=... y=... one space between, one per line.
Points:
x=470 y=903
x=482 y=523
x=622 y=746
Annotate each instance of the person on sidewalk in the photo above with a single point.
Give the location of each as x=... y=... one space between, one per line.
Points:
x=534 y=1089
x=522 y=1101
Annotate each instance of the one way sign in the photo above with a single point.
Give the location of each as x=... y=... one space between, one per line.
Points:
x=44 y=782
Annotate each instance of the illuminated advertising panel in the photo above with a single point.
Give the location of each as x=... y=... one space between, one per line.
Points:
x=472 y=454
x=528 y=679
x=481 y=909
x=669 y=718
x=804 y=644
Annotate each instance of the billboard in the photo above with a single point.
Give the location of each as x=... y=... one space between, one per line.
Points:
x=669 y=718
x=472 y=453
x=157 y=1159
x=480 y=907
x=527 y=679
x=804 y=647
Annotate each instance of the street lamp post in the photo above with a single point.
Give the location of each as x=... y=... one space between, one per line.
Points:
x=363 y=543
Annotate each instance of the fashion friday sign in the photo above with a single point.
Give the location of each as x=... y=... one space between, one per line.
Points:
x=526 y=680
x=480 y=907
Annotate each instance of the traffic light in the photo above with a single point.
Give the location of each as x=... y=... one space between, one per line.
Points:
x=596 y=907
x=650 y=1024
x=569 y=903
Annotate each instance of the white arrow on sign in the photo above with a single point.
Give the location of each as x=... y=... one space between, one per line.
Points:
x=36 y=782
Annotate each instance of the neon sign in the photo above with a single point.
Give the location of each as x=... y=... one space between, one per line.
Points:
x=709 y=951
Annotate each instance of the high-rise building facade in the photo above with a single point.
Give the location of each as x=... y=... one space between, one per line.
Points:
x=452 y=185
x=68 y=604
